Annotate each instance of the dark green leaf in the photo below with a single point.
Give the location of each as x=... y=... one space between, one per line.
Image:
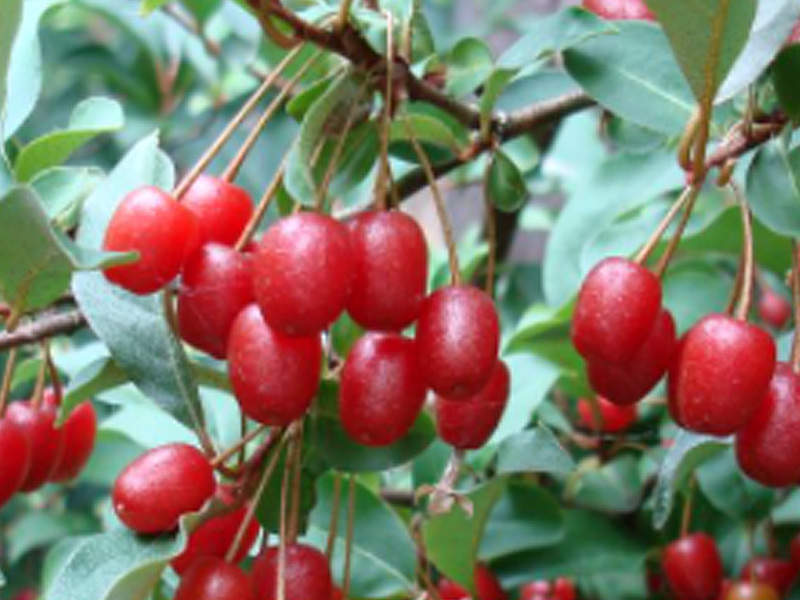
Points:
x=773 y=188
x=134 y=327
x=730 y=492
x=90 y=118
x=615 y=487
x=534 y=451
x=504 y=185
x=337 y=449
x=452 y=539
x=634 y=75
x=707 y=36
x=686 y=453
x=268 y=511
x=784 y=78
x=384 y=557
x=427 y=130
x=470 y=63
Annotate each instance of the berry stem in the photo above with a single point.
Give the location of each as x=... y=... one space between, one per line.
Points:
x=55 y=378
x=344 y=14
x=348 y=544
x=650 y=245
x=232 y=170
x=687 y=142
x=491 y=238
x=296 y=466
x=746 y=295
x=225 y=455
x=255 y=98
x=686 y=517
x=8 y=375
x=441 y=210
x=384 y=169
x=795 y=356
x=279 y=438
x=333 y=527
x=669 y=251
x=282 y=527
x=41 y=379
x=262 y=207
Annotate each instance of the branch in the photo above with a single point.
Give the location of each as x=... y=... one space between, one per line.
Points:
x=44 y=327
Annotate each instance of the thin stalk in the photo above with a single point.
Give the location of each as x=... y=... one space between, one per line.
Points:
x=234 y=123
x=333 y=527
x=795 y=357
x=297 y=469
x=441 y=210
x=737 y=286
x=666 y=258
x=646 y=250
x=687 y=142
x=55 y=378
x=491 y=235
x=262 y=207
x=41 y=380
x=348 y=544
x=235 y=165
x=384 y=169
x=225 y=455
x=686 y=517
x=746 y=296
x=8 y=376
x=344 y=14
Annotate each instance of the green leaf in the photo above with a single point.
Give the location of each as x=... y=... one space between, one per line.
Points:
x=730 y=492
x=116 y=565
x=505 y=187
x=634 y=75
x=40 y=529
x=614 y=488
x=427 y=130
x=534 y=450
x=12 y=17
x=339 y=451
x=452 y=539
x=36 y=261
x=89 y=119
x=554 y=33
x=96 y=377
x=469 y=64
x=384 y=556
x=135 y=328
x=148 y=6
x=268 y=510
x=63 y=190
x=773 y=188
x=707 y=36
x=771 y=27
x=784 y=78
x=526 y=517
x=686 y=453
x=25 y=71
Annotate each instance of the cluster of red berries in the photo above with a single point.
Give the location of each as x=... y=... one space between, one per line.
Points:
x=722 y=376
x=33 y=451
x=694 y=571
x=265 y=310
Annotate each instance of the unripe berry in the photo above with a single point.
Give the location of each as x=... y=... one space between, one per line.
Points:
x=306 y=574
x=149 y=221
x=303 y=271
x=216 y=284
x=46 y=442
x=390 y=264
x=274 y=376
x=214 y=579
x=693 y=567
x=15 y=459
x=163 y=484
x=458 y=336
x=221 y=208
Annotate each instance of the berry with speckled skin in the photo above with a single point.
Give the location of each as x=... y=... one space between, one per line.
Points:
x=221 y=209
x=693 y=567
x=214 y=579
x=306 y=574
x=45 y=440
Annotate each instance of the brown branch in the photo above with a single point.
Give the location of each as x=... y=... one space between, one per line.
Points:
x=42 y=328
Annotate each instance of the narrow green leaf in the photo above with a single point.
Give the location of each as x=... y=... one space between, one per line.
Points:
x=133 y=327
x=773 y=188
x=534 y=451
x=784 y=78
x=89 y=119
x=469 y=64
x=504 y=185
x=707 y=36
x=452 y=539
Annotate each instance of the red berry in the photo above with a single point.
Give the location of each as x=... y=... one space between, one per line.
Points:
x=160 y=486
x=27 y=595
x=458 y=336
x=214 y=579
x=221 y=208
x=629 y=382
x=382 y=389
x=564 y=589
x=80 y=431
x=390 y=264
x=486 y=585
x=306 y=574
x=15 y=459
x=620 y=9
x=46 y=442
x=468 y=423
x=274 y=376
x=216 y=284
x=215 y=537
x=774 y=309
x=746 y=590
x=720 y=374
x=614 y=418
x=336 y=593
x=779 y=574
x=303 y=271
x=535 y=590
x=149 y=221
x=768 y=446
x=794 y=36
x=693 y=567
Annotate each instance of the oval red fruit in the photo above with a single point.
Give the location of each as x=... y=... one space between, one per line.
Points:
x=614 y=418
x=564 y=589
x=779 y=574
x=214 y=579
x=216 y=284
x=303 y=271
x=15 y=459
x=720 y=374
x=305 y=571
x=149 y=221
x=693 y=567
x=221 y=208
x=768 y=446
x=467 y=423
x=620 y=9
x=80 y=431
x=458 y=336
x=390 y=264
x=382 y=389
x=46 y=442
x=774 y=309
x=629 y=382
x=274 y=376
x=160 y=486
